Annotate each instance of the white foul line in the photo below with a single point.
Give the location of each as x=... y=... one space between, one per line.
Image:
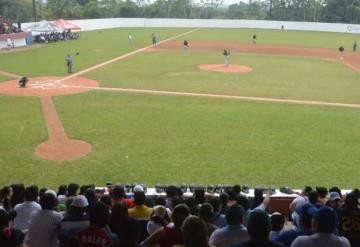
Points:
x=124 y=56
x=223 y=96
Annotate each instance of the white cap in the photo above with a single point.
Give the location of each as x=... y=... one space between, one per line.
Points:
x=79 y=201
x=138 y=188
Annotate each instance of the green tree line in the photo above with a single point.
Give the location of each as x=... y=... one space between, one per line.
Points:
x=345 y=11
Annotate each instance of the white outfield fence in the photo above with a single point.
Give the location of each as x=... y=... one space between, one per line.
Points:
x=96 y=24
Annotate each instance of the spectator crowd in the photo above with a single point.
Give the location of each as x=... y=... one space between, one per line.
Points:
x=89 y=217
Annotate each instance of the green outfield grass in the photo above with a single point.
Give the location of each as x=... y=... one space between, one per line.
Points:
x=94 y=47
x=273 y=76
x=4 y=78
x=297 y=38
x=150 y=139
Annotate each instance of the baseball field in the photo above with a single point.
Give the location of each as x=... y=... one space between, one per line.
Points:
x=135 y=113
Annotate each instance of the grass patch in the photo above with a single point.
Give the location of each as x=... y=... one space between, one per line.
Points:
x=94 y=47
x=167 y=139
x=273 y=76
x=286 y=37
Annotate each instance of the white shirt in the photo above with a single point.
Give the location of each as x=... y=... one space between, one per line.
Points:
x=9 y=42
x=321 y=240
x=23 y=213
x=44 y=226
x=229 y=236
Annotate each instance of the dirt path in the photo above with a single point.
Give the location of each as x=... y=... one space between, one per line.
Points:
x=8 y=74
x=59 y=147
x=352 y=59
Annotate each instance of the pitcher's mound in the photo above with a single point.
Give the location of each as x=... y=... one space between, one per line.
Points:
x=63 y=149
x=232 y=68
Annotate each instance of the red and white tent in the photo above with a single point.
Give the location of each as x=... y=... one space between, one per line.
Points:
x=66 y=25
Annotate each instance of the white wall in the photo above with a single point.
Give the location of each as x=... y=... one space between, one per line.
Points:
x=17 y=43
x=95 y=24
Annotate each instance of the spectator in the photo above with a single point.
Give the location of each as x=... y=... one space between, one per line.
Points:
x=71 y=192
x=349 y=215
x=195 y=232
x=27 y=208
x=75 y=219
x=62 y=190
x=217 y=219
x=224 y=199
x=171 y=193
x=297 y=203
x=199 y=194
x=258 y=198
x=97 y=235
x=314 y=198
x=323 y=192
x=306 y=213
x=118 y=196
x=18 y=194
x=45 y=223
x=90 y=196
x=171 y=234
x=5 y=195
x=232 y=234
x=140 y=211
x=106 y=199
x=9 y=237
x=158 y=219
x=258 y=230
x=324 y=225
x=334 y=200
x=335 y=189
x=277 y=221
x=206 y=212
x=122 y=225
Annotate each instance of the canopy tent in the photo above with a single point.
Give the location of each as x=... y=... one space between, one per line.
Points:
x=66 y=25
x=43 y=27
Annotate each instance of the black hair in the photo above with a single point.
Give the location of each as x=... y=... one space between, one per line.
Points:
x=160 y=200
x=206 y=212
x=118 y=192
x=313 y=197
x=351 y=201
x=90 y=196
x=62 y=189
x=31 y=193
x=277 y=222
x=99 y=215
x=215 y=202
x=171 y=191
x=48 y=201
x=139 y=198
x=235 y=214
x=199 y=194
x=237 y=189
x=18 y=195
x=258 y=198
x=72 y=189
x=243 y=201
x=322 y=191
x=179 y=214
x=307 y=190
x=106 y=199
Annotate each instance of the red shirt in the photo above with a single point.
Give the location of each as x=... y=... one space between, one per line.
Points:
x=94 y=237
x=128 y=202
x=172 y=237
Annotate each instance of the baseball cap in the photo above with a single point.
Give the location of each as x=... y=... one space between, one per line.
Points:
x=138 y=188
x=306 y=212
x=51 y=192
x=159 y=211
x=334 y=196
x=79 y=201
x=326 y=218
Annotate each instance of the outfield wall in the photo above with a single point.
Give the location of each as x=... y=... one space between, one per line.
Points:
x=96 y=24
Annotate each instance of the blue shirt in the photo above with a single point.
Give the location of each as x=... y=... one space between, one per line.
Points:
x=287 y=237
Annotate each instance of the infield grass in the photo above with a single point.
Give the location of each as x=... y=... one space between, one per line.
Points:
x=274 y=76
x=286 y=37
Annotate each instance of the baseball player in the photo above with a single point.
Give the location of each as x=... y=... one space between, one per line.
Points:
x=226 y=54
x=69 y=63
x=341 y=53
